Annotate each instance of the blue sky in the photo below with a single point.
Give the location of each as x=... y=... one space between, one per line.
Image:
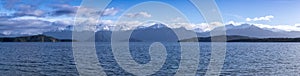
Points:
x=285 y=12
x=46 y=15
x=186 y=7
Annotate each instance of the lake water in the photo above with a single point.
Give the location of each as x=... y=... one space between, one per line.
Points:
x=56 y=59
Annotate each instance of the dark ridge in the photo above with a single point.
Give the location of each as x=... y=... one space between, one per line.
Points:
x=34 y=38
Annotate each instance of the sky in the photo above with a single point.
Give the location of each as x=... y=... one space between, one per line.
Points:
x=38 y=16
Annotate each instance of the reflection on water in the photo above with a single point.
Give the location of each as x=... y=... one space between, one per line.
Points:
x=56 y=59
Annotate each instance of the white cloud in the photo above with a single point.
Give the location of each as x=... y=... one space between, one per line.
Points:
x=188 y=26
x=139 y=14
x=235 y=23
x=66 y=9
x=202 y=27
x=28 y=10
x=177 y=19
x=110 y=12
x=130 y=25
x=31 y=27
x=297 y=25
x=106 y=22
x=265 y=18
x=127 y=25
x=278 y=27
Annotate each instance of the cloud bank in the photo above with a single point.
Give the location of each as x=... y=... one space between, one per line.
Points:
x=138 y=15
x=265 y=18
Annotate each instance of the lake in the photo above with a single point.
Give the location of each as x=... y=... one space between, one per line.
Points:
x=56 y=59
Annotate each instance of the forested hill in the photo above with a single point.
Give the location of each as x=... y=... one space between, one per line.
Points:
x=35 y=38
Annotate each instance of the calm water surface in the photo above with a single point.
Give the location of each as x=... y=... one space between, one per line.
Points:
x=56 y=59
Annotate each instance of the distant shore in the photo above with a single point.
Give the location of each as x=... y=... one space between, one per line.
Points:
x=35 y=38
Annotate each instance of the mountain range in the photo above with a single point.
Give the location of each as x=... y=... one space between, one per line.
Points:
x=254 y=31
x=160 y=32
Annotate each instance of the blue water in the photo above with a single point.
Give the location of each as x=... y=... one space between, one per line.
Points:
x=56 y=59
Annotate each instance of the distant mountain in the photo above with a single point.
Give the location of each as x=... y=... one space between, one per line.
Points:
x=240 y=39
x=63 y=34
x=290 y=34
x=35 y=38
x=160 y=33
x=242 y=26
x=208 y=39
x=254 y=31
x=157 y=32
x=153 y=33
x=2 y=35
x=103 y=36
x=158 y=26
x=198 y=30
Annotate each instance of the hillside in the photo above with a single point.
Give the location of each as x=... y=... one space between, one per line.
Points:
x=35 y=38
